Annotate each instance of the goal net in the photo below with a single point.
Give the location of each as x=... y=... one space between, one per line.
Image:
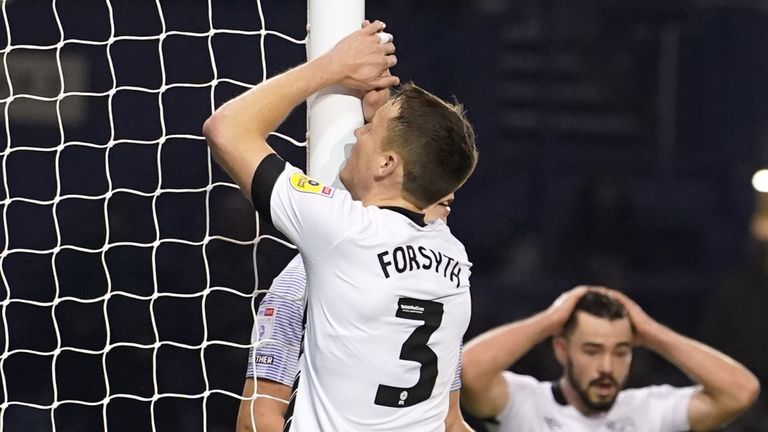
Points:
x=126 y=253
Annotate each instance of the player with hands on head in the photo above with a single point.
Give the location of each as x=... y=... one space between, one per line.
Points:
x=594 y=331
x=387 y=294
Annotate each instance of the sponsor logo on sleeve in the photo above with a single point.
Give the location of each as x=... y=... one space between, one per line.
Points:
x=265 y=320
x=303 y=183
x=263 y=359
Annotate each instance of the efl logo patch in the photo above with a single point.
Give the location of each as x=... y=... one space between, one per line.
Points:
x=265 y=320
x=302 y=183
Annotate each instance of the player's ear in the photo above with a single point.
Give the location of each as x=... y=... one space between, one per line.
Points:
x=559 y=346
x=388 y=163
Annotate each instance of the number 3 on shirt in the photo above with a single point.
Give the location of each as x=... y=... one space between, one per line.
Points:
x=415 y=349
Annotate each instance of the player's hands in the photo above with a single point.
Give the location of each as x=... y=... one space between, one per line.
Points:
x=645 y=326
x=363 y=58
x=563 y=306
x=374 y=99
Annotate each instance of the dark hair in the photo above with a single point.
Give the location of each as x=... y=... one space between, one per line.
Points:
x=596 y=304
x=435 y=141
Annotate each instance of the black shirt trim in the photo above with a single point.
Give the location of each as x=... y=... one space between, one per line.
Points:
x=557 y=393
x=264 y=179
x=417 y=218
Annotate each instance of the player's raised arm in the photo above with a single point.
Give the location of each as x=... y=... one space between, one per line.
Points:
x=728 y=388
x=484 y=390
x=237 y=131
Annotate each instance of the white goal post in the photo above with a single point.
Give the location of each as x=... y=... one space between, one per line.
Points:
x=334 y=113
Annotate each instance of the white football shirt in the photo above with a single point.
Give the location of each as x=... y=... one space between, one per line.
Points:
x=532 y=407
x=276 y=334
x=387 y=306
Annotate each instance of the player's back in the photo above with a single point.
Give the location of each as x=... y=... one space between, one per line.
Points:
x=387 y=309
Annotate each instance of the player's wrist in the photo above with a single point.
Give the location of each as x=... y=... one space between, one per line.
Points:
x=552 y=322
x=330 y=70
x=654 y=336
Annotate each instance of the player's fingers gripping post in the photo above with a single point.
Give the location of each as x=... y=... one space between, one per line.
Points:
x=363 y=57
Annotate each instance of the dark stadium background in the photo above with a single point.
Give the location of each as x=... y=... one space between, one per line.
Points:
x=618 y=140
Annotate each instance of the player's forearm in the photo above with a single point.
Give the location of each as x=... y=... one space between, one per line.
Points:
x=238 y=130
x=270 y=423
x=262 y=422
x=495 y=351
x=265 y=413
x=458 y=426
x=259 y=111
x=454 y=421
x=261 y=416
x=484 y=389
x=728 y=383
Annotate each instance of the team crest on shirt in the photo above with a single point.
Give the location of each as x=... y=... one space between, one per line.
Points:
x=552 y=423
x=625 y=424
x=265 y=320
x=303 y=183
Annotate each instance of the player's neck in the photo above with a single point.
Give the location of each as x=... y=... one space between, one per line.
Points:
x=391 y=202
x=388 y=197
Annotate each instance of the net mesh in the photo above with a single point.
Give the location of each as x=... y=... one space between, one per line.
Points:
x=128 y=271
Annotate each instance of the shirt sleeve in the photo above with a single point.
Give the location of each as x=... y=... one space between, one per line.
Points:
x=278 y=327
x=520 y=390
x=263 y=183
x=313 y=216
x=456 y=384
x=671 y=404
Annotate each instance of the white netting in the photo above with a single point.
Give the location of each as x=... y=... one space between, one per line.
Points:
x=127 y=254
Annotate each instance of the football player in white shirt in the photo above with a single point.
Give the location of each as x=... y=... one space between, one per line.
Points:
x=594 y=331
x=277 y=335
x=387 y=294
